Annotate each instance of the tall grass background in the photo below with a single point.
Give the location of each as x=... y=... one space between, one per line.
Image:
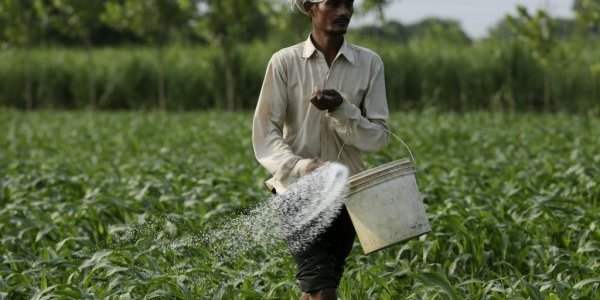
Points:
x=487 y=75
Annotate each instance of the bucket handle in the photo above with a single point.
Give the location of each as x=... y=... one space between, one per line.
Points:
x=393 y=135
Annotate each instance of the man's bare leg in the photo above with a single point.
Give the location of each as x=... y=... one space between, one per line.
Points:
x=327 y=294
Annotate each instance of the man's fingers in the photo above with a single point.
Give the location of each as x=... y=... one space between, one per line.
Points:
x=330 y=92
x=326 y=99
x=311 y=166
x=326 y=96
x=318 y=103
x=329 y=98
x=315 y=164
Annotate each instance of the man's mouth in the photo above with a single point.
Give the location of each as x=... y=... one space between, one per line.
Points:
x=342 y=22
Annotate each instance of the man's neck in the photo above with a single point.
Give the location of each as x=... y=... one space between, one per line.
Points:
x=328 y=44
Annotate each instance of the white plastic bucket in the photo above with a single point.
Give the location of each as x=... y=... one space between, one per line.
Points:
x=385 y=205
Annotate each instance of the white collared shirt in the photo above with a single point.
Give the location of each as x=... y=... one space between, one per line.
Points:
x=288 y=131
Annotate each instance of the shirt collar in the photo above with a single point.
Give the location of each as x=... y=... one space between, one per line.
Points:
x=345 y=50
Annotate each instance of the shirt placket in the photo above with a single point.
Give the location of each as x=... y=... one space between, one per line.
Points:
x=324 y=133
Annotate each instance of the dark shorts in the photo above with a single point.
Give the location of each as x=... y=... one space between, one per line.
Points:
x=321 y=264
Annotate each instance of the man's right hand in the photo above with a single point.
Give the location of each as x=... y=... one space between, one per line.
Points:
x=313 y=165
x=326 y=99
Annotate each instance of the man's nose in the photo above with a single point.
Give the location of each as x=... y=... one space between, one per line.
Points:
x=345 y=10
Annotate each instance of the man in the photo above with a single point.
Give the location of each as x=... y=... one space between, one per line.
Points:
x=319 y=97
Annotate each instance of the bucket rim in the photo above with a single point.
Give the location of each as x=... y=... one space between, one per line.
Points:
x=401 y=163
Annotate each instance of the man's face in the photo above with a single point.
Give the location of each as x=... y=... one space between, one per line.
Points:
x=332 y=16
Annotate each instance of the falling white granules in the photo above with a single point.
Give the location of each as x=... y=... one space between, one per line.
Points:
x=296 y=216
x=310 y=205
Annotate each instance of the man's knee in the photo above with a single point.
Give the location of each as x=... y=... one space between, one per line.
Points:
x=326 y=294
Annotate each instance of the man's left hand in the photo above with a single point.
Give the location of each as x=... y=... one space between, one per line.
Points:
x=327 y=99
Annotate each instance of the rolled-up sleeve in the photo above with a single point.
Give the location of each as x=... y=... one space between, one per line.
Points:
x=365 y=129
x=270 y=149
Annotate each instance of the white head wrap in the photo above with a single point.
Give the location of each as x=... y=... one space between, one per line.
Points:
x=300 y=4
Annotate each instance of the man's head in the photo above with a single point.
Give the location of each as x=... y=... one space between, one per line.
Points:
x=330 y=16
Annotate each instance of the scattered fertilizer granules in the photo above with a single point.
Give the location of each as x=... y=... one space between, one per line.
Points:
x=297 y=216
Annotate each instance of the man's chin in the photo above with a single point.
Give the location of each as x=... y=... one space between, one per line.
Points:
x=338 y=31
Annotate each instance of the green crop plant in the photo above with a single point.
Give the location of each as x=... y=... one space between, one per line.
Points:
x=100 y=206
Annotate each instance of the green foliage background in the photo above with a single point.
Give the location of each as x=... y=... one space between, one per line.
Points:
x=513 y=200
x=512 y=193
x=424 y=73
x=199 y=54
